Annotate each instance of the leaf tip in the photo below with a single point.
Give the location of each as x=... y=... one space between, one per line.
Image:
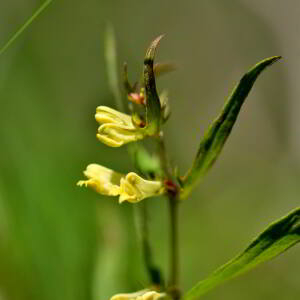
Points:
x=275 y=58
x=152 y=48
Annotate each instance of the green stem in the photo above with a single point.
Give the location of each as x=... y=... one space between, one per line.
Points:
x=153 y=272
x=174 y=257
x=141 y=211
x=164 y=159
x=173 y=211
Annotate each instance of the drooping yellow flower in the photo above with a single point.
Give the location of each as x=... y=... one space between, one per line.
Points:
x=116 y=128
x=130 y=187
x=140 y=295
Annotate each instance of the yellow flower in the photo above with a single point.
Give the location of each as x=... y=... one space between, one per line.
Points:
x=140 y=295
x=130 y=187
x=116 y=128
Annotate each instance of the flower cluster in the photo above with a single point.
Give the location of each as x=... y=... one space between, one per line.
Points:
x=117 y=129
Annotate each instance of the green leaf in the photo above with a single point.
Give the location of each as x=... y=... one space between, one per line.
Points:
x=278 y=237
x=153 y=109
x=148 y=165
x=25 y=25
x=217 y=134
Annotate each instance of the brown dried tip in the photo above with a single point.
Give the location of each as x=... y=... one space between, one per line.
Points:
x=152 y=48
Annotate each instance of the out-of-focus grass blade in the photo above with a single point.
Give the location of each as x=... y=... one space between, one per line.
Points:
x=277 y=238
x=217 y=134
x=111 y=63
x=26 y=24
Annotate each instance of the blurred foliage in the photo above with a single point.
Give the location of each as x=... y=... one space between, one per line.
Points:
x=59 y=242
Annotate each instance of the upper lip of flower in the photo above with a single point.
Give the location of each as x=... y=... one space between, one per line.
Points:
x=106 y=114
x=116 y=128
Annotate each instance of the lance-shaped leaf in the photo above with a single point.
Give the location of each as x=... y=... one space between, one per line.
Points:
x=153 y=109
x=278 y=237
x=217 y=134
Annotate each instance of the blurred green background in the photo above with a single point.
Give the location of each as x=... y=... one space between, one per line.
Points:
x=58 y=241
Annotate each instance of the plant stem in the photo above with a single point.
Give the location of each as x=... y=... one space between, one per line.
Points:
x=164 y=159
x=173 y=209
x=153 y=272
x=174 y=257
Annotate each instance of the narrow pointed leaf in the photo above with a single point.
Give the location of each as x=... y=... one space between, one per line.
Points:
x=25 y=25
x=153 y=109
x=277 y=238
x=217 y=134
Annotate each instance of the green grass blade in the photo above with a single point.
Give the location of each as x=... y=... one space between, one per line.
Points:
x=112 y=65
x=26 y=24
x=278 y=237
x=213 y=141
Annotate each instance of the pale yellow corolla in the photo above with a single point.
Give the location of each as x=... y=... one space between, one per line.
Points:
x=116 y=128
x=130 y=187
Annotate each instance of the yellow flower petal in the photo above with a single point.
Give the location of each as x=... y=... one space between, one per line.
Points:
x=116 y=135
x=116 y=128
x=130 y=187
x=134 y=188
x=152 y=295
x=103 y=180
x=106 y=114
x=140 y=295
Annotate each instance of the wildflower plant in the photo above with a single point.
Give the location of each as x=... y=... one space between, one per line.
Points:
x=143 y=117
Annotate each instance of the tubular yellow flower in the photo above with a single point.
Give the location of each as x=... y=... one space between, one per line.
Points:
x=140 y=295
x=116 y=128
x=130 y=187
x=134 y=188
x=103 y=180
